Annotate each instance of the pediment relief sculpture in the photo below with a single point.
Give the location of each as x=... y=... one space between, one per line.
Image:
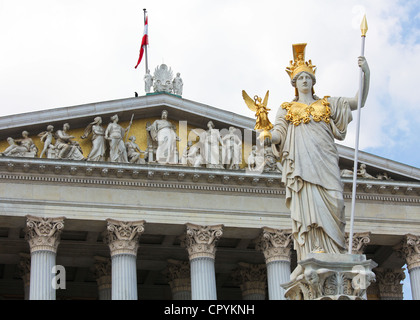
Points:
x=154 y=141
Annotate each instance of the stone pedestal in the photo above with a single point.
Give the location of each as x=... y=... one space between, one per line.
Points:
x=200 y=242
x=275 y=245
x=332 y=277
x=122 y=238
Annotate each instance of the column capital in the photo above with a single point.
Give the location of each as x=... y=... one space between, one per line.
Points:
x=251 y=277
x=102 y=272
x=178 y=274
x=360 y=242
x=275 y=244
x=43 y=233
x=389 y=283
x=122 y=237
x=409 y=249
x=200 y=241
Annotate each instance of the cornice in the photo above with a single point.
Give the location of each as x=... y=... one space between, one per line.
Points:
x=187 y=178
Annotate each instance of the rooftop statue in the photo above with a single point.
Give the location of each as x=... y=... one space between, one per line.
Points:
x=162 y=79
x=303 y=138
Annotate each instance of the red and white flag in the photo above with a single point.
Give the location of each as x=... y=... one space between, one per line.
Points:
x=144 y=42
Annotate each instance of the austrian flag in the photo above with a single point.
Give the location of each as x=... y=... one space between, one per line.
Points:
x=144 y=42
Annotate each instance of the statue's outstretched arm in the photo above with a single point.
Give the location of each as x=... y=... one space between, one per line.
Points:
x=366 y=80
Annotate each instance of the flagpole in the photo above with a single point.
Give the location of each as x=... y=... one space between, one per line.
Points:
x=145 y=47
x=363 y=28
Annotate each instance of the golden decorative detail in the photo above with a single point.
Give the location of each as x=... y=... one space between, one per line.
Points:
x=364 y=26
x=298 y=64
x=261 y=112
x=298 y=113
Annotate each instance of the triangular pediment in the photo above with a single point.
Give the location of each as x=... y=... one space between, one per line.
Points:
x=195 y=114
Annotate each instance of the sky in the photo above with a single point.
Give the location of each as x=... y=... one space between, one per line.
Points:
x=61 y=53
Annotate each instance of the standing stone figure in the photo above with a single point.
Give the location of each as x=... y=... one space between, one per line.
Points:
x=211 y=146
x=46 y=137
x=303 y=138
x=114 y=133
x=148 y=82
x=178 y=84
x=164 y=132
x=98 y=140
x=232 y=150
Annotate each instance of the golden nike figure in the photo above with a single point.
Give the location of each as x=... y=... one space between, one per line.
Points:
x=262 y=124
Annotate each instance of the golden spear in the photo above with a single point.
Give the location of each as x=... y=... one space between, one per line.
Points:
x=363 y=29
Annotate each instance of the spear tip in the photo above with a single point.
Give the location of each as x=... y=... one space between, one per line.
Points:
x=364 y=26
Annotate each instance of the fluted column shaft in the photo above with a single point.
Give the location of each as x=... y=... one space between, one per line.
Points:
x=203 y=279
x=276 y=245
x=43 y=236
x=124 y=277
x=122 y=238
x=200 y=242
x=278 y=272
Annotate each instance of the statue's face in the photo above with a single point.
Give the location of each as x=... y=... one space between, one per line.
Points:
x=304 y=82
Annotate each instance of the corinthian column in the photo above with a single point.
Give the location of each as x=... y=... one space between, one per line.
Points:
x=178 y=274
x=24 y=269
x=410 y=250
x=276 y=245
x=389 y=283
x=200 y=242
x=122 y=238
x=102 y=272
x=252 y=279
x=43 y=236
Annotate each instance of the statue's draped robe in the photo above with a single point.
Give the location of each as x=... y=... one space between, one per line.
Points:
x=117 y=151
x=163 y=132
x=98 y=144
x=314 y=191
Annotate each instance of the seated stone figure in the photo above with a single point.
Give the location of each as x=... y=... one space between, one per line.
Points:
x=65 y=147
x=23 y=147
